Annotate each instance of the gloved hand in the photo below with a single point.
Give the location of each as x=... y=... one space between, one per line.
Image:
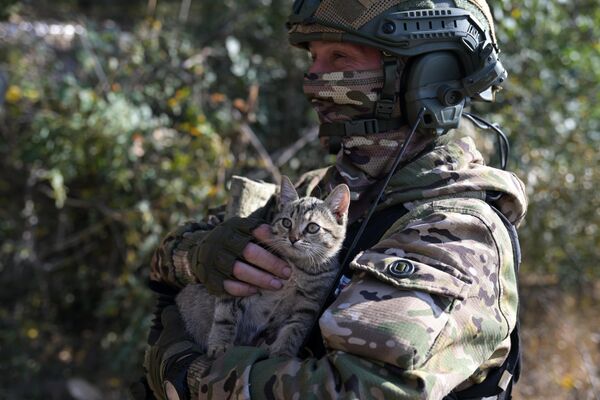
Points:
x=169 y=358
x=212 y=259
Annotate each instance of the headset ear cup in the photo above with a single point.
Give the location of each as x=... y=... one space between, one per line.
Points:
x=433 y=82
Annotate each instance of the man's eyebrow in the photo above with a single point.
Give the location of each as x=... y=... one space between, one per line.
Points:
x=352 y=50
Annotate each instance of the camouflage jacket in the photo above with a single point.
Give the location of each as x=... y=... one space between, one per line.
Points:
x=429 y=308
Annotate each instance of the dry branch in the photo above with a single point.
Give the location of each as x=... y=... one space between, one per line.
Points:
x=284 y=155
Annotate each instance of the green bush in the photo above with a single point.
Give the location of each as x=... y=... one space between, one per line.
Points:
x=551 y=108
x=107 y=141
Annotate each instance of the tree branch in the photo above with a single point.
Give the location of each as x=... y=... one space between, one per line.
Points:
x=87 y=45
x=260 y=149
x=284 y=155
x=151 y=8
x=184 y=10
x=244 y=112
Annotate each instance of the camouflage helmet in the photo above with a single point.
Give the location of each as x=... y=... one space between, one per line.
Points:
x=338 y=20
x=457 y=31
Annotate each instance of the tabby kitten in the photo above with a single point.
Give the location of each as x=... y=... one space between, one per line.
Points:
x=307 y=233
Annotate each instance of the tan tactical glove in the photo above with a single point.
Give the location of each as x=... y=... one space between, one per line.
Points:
x=212 y=259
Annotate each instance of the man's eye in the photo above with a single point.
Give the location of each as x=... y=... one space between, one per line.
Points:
x=337 y=56
x=286 y=222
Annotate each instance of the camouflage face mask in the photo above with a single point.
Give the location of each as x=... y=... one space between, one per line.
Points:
x=351 y=95
x=343 y=95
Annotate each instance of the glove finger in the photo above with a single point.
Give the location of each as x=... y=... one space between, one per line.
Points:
x=233 y=244
x=232 y=238
x=212 y=260
x=245 y=225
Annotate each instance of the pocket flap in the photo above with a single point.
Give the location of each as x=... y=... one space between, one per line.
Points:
x=407 y=274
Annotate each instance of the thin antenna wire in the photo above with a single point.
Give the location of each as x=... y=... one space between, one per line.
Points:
x=387 y=180
x=367 y=218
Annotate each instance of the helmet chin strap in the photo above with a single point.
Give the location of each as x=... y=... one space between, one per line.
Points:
x=336 y=131
x=387 y=99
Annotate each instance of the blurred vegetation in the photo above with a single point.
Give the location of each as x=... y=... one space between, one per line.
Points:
x=551 y=107
x=119 y=120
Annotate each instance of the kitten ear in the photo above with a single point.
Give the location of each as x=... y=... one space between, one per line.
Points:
x=287 y=193
x=338 y=201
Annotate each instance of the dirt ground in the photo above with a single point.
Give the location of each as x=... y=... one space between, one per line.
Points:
x=561 y=343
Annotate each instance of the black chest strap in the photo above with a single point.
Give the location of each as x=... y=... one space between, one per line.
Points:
x=380 y=222
x=499 y=381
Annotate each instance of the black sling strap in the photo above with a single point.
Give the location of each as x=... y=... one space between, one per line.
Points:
x=499 y=382
x=380 y=222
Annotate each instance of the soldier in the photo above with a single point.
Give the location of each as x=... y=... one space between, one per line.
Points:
x=432 y=299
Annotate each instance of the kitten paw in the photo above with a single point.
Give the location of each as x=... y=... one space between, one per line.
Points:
x=216 y=351
x=282 y=351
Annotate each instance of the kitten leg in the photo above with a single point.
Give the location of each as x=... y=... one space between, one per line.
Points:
x=196 y=306
x=291 y=335
x=224 y=329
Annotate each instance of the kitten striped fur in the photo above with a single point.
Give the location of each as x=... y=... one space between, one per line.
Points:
x=308 y=233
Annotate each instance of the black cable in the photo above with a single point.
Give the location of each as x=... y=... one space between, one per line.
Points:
x=503 y=144
x=366 y=220
x=387 y=180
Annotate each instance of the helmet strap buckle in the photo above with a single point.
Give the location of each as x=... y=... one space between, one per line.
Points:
x=385 y=105
x=384 y=109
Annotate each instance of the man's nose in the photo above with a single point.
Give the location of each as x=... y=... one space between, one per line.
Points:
x=320 y=65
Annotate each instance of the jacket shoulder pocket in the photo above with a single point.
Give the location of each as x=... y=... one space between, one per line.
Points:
x=407 y=274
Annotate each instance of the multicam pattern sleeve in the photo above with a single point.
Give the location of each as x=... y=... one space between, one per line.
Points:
x=429 y=307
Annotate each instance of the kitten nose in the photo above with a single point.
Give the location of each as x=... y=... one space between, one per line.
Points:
x=294 y=239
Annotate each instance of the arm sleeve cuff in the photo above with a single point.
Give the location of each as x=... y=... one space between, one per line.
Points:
x=227 y=375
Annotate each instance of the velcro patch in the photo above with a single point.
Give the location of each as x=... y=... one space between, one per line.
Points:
x=349 y=10
x=413 y=275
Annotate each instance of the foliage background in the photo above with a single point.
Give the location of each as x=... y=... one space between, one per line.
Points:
x=118 y=120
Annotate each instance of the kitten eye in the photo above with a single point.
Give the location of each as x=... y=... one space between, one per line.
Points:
x=286 y=222
x=312 y=228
